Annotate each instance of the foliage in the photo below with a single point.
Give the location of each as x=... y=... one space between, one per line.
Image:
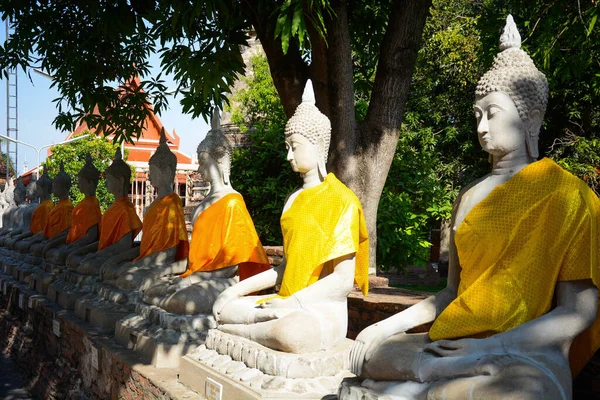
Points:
x=3 y=157
x=259 y=103
x=261 y=172
x=414 y=198
x=264 y=177
x=73 y=155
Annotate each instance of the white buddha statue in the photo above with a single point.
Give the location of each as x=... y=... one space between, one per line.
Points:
x=224 y=241
x=325 y=251
x=522 y=293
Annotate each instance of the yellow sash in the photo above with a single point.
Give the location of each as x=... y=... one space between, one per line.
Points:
x=323 y=223
x=117 y=221
x=538 y=228
x=85 y=215
x=40 y=216
x=59 y=218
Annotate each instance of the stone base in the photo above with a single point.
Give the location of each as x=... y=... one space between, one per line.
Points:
x=162 y=338
x=100 y=313
x=248 y=370
x=70 y=287
x=65 y=359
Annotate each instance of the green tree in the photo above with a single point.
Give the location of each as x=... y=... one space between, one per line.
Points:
x=89 y=44
x=74 y=154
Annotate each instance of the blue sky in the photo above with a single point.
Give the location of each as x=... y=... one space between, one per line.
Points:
x=37 y=111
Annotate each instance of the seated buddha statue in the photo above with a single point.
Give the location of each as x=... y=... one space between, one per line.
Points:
x=10 y=208
x=325 y=244
x=224 y=244
x=13 y=217
x=85 y=218
x=517 y=317
x=164 y=235
x=59 y=219
x=119 y=225
x=39 y=211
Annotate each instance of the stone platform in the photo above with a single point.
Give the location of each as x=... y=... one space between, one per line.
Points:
x=161 y=338
x=241 y=369
x=66 y=358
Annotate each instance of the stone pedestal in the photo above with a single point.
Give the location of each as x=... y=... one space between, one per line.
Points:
x=161 y=338
x=70 y=287
x=242 y=369
x=107 y=305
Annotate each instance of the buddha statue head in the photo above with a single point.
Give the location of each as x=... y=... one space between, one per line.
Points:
x=118 y=175
x=19 y=192
x=9 y=196
x=31 y=193
x=511 y=99
x=43 y=186
x=215 y=151
x=307 y=135
x=162 y=164
x=61 y=183
x=88 y=177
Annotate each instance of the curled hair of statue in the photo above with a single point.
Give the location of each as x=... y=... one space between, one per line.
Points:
x=514 y=73
x=119 y=168
x=216 y=143
x=163 y=156
x=89 y=171
x=309 y=121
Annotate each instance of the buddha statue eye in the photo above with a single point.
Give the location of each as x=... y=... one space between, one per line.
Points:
x=493 y=110
x=477 y=115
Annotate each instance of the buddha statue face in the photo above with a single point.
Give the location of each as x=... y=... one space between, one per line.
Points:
x=32 y=191
x=303 y=155
x=214 y=153
x=86 y=186
x=60 y=189
x=499 y=127
x=162 y=165
x=114 y=185
x=43 y=186
x=160 y=177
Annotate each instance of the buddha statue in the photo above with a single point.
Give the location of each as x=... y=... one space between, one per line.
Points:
x=325 y=251
x=224 y=241
x=119 y=225
x=59 y=219
x=515 y=318
x=10 y=207
x=164 y=236
x=13 y=218
x=22 y=214
x=85 y=218
x=38 y=213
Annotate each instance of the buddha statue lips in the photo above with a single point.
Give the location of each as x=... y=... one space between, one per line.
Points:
x=325 y=252
x=523 y=235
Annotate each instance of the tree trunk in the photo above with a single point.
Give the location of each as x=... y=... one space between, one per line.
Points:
x=360 y=153
x=361 y=156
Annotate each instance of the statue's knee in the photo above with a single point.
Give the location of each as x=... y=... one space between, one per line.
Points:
x=292 y=335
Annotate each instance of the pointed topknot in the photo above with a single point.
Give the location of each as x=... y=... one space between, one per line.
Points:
x=308 y=96
x=163 y=136
x=118 y=154
x=215 y=121
x=88 y=159
x=62 y=166
x=510 y=39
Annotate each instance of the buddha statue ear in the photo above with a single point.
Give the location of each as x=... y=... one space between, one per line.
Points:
x=534 y=124
x=322 y=168
x=224 y=166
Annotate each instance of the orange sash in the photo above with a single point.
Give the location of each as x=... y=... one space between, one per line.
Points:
x=85 y=215
x=59 y=218
x=164 y=228
x=40 y=216
x=224 y=235
x=117 y=221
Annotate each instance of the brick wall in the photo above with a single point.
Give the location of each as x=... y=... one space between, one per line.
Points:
x=62 y=367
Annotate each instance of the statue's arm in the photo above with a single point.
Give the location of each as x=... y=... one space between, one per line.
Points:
x=122 y=245
x=90 y=236
x=57 y=240
x=160 y=257
x=128 y=255
x=576 y=309
x=82 y=250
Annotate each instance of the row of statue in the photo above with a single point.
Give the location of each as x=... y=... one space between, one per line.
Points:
x=517 y=319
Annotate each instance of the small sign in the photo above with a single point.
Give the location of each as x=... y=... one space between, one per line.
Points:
x=56 y=327
x=30 y=302
x=213 y=390
x=22 y=301
x=95 y=357
x=6 y=269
